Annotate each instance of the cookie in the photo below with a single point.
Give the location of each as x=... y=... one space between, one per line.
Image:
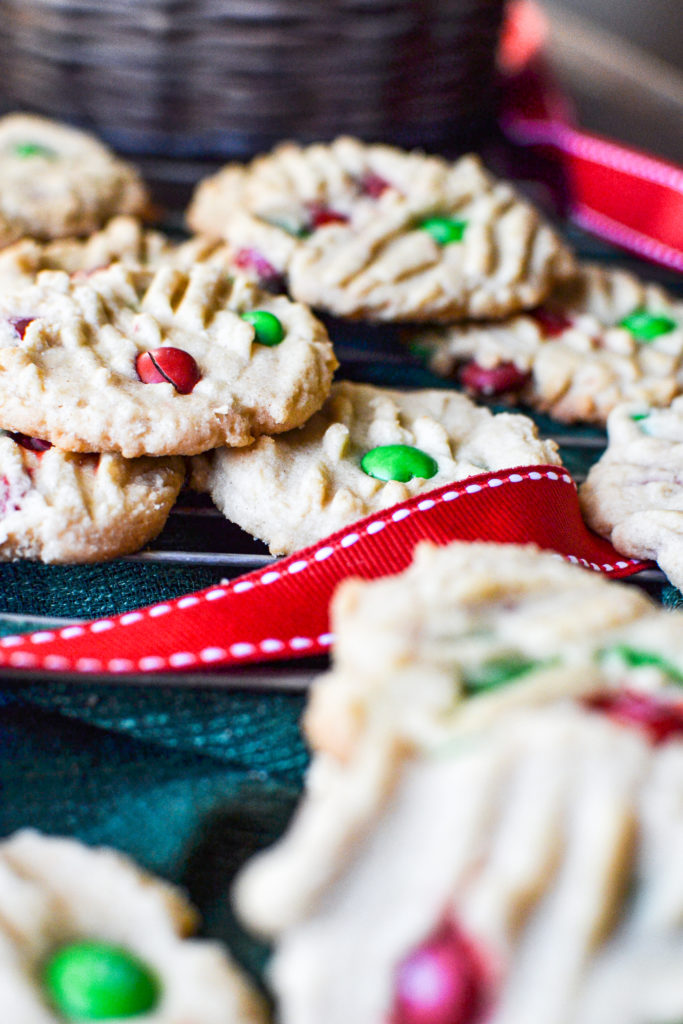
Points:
x=86 y=935
x=470 y=631
x=602 y=338
x=367 y=449
x=121 y=240
x=372 y=232
x=531 y=874
x=57 y=506
x=56 y=181
x=634 y=493
x=154 y=362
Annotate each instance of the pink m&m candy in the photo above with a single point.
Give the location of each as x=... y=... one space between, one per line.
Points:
x=255 y=262
x=373 y=185
x=442 y=982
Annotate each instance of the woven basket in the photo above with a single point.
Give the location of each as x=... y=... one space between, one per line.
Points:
x=231 y=77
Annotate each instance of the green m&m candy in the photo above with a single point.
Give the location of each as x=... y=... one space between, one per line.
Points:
x=267 y=327
x=444 y=230
x=498 y=672
x=646 y=326
x=89 y=981
x=398 y=462
x=636 y=657
x=29 y=149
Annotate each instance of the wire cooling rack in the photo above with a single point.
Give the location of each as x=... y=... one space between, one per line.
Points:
x=197 y=534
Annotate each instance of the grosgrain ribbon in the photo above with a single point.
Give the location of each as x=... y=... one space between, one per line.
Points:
x=282 y=610
x=614 y=191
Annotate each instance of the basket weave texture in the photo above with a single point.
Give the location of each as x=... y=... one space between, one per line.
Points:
x=231 y=77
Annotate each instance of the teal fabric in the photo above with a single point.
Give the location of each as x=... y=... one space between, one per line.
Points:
x=189 y=782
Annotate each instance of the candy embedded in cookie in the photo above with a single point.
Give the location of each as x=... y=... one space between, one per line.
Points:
x=268 y=329
x=57 y=506
x=600 y=339
x=659 y=720
x=170 y=365
x=645 y=326
x=86 y=935
x=399 y=462
x=367 y=449
x=372 y=232
x=443 y=981
x=98 y=981
x=150 y=361
x=57 y=181
x=634 y=493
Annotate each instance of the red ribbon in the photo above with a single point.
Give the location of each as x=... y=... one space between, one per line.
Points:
x=282 y=610
x=619 y=193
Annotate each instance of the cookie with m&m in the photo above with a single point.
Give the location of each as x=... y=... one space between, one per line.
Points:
x=58 y=506
x=601 y=338
x=368 y=448
x=633 y=494
x=469 y=631
x=372 y=232
x=57 y=181
x=528 y=873
x=86 y=935
x=145 y=361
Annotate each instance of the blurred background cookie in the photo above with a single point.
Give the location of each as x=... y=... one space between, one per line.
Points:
x=600 y=338
x=57 y=181
x=634 y=493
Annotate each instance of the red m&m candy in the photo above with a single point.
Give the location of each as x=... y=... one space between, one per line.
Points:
x=171 y=365
x=552 y=324
x=493 y=380
x=659 y=720
x=20 y=323
x=32 y=444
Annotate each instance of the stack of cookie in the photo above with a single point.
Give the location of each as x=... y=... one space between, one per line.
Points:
x=121 y=352
x=492 y=824
x=366 y=232
x=110 y=372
